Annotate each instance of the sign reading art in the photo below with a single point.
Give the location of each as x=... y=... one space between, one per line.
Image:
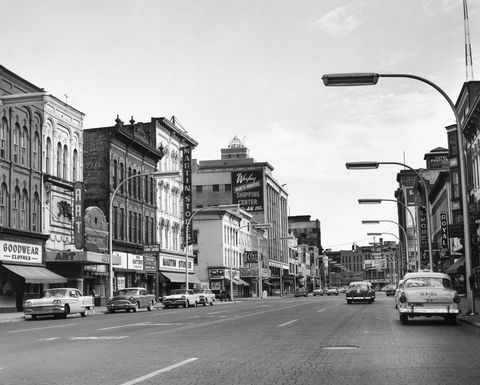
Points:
x=79 y=233
x=20 y=252
x=247 y=189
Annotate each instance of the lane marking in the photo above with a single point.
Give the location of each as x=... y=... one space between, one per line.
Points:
x=157 y=372
x=339 y=347
x=97 y=338
x=138 y=324
x=318 y=311
x=44 y=328
x=288 y=323
x=48 y=339
x=217 y=312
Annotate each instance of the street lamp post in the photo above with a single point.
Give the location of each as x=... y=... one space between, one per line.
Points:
x=373 y=165
x=163 y=174
x=361 y=79
x=378 y=201
x=378 y=221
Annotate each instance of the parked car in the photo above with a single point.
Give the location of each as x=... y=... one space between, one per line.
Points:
x=131 y=298
x=397 y=293
x=301 y=293
x=180 y=297
x=205 y=296
x=59 y=302
x=318 y=291
x=390 y=290
x=332 y=291
x=360 y=291
x=428 y=294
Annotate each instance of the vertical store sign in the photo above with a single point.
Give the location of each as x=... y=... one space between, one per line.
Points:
x=187 y=191
x=79 y=225
x=423 y=235
x=444 y=228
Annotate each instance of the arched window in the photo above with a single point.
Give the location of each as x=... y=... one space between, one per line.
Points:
x=65 y=162
x=121 y=178
x=36 y=213
x=24 y=210
x=152 y=189
x=59 y=160
x=15 y=207
x=115 y=175
x=23 y=147
x=3 y=204
x=36 y=152
x=75 y=166
x=3 y=138
x=134 y=183
x=16 y=142
x=139 y=186
x=48 y=157
x=129 y=192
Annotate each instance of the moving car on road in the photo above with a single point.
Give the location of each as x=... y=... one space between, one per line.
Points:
x=428 y=294
x=360 y=291
x=205 y=296
x=131 y=298
x=301 y=293
x=390 y=290
x=332 y=291
x=59 y=302
x=318 y=291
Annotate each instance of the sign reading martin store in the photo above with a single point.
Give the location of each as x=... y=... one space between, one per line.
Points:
x=20 y=252
x=247 y=189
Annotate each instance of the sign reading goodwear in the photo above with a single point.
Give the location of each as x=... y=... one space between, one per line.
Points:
x=20 y=252
x=247 y=189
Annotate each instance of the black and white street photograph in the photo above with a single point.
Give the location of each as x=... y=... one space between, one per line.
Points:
x=240 y=192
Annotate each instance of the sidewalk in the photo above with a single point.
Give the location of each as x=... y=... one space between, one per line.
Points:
x=470 y=319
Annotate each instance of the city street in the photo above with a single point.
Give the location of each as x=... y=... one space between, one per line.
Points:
x=286 y=340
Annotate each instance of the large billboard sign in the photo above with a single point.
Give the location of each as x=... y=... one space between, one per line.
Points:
x=247 y=189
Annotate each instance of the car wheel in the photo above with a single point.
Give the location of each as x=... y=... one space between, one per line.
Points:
x=111 y=310
x=451 y=319
x=165 y=306
x=404 y=319
x=211 y=302
x=135 y=308
x=65 y=313
x=150 y=306
x=34 y=317
x=349 y=302
x=205 y=303
x=186 y=304
x=84 y=313
x=127 y=310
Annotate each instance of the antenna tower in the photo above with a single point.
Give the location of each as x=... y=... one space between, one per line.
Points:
x=468 y=47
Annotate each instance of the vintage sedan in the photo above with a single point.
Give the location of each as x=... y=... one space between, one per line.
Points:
x=205 y=296
x=131 y=298
x=59 y=302
x=360 y=291
x=180 y=297
x=427 y=294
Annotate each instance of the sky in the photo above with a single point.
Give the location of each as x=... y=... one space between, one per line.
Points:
x=253 y=69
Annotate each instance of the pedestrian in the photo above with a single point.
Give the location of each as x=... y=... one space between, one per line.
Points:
x=264 y=294
x=223 y=296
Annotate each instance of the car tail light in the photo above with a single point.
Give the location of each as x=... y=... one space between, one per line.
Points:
x=403 y=298
x=183 y=297
x=456 y=298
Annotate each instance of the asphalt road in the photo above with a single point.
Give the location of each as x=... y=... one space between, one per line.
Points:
x=313 y=340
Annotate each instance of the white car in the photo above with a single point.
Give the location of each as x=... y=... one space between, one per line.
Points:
x=59 y=302
x=180 y=297
x=426 y=294
x=205 y=296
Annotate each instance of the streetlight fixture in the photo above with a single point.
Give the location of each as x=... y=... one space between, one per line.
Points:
x=373 y=165
x=364 y=79
x=162 y=174
x=378 y=221
x=379 y=201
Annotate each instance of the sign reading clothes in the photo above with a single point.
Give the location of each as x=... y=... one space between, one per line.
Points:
x=247 y=189
x=20 y=252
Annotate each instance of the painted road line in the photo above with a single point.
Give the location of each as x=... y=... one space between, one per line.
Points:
x=140 y=324
x=44 y=328
x=217 y=312
x=288 y=323
x=157 y=372
x=318 y=311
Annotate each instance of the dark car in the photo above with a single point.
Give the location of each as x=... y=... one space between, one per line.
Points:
x=390 y=290
x=360 y=292
x=131 y=298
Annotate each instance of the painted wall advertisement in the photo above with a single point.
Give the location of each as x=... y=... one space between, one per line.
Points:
x=247 y=189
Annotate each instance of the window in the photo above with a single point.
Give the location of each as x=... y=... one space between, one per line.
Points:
x=36 y=213
x=16 y=141
x=65 y=162
x=121 y=176
x=140 y=228
x=16 y=203
x=129 y=192
x=115 y=176
x=199 y=188
x=48 y=157
x=3 y=204
x=36 y=152
x=59 y=160
x=134 y=227
x=152 y=189
x=130 y=223
x=75 y=166
x=216 y=188
x=23 y=147
x=3 y=138
x=146 y=189
x=24 y=210
x=228 y=187
x=115 y=222
x=122 y=223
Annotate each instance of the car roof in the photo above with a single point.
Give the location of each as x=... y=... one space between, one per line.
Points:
x=357 y=282
x=425 y=274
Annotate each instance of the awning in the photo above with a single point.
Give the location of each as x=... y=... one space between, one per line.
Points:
x=36 y=274
x=458 y=263
x=242 y=282
x=180 y=277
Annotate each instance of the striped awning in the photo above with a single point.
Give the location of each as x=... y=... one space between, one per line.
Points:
x=36 y=274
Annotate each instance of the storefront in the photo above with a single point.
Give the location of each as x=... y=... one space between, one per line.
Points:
x=84 y=270
x=224 y=279
x=129 y=271
x=151 y=270
x=172 y=274
x=22 y=273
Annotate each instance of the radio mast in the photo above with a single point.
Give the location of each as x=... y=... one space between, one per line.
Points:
x=468 y=47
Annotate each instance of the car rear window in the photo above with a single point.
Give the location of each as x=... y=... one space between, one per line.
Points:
x=361 y=286
x=427 y=282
